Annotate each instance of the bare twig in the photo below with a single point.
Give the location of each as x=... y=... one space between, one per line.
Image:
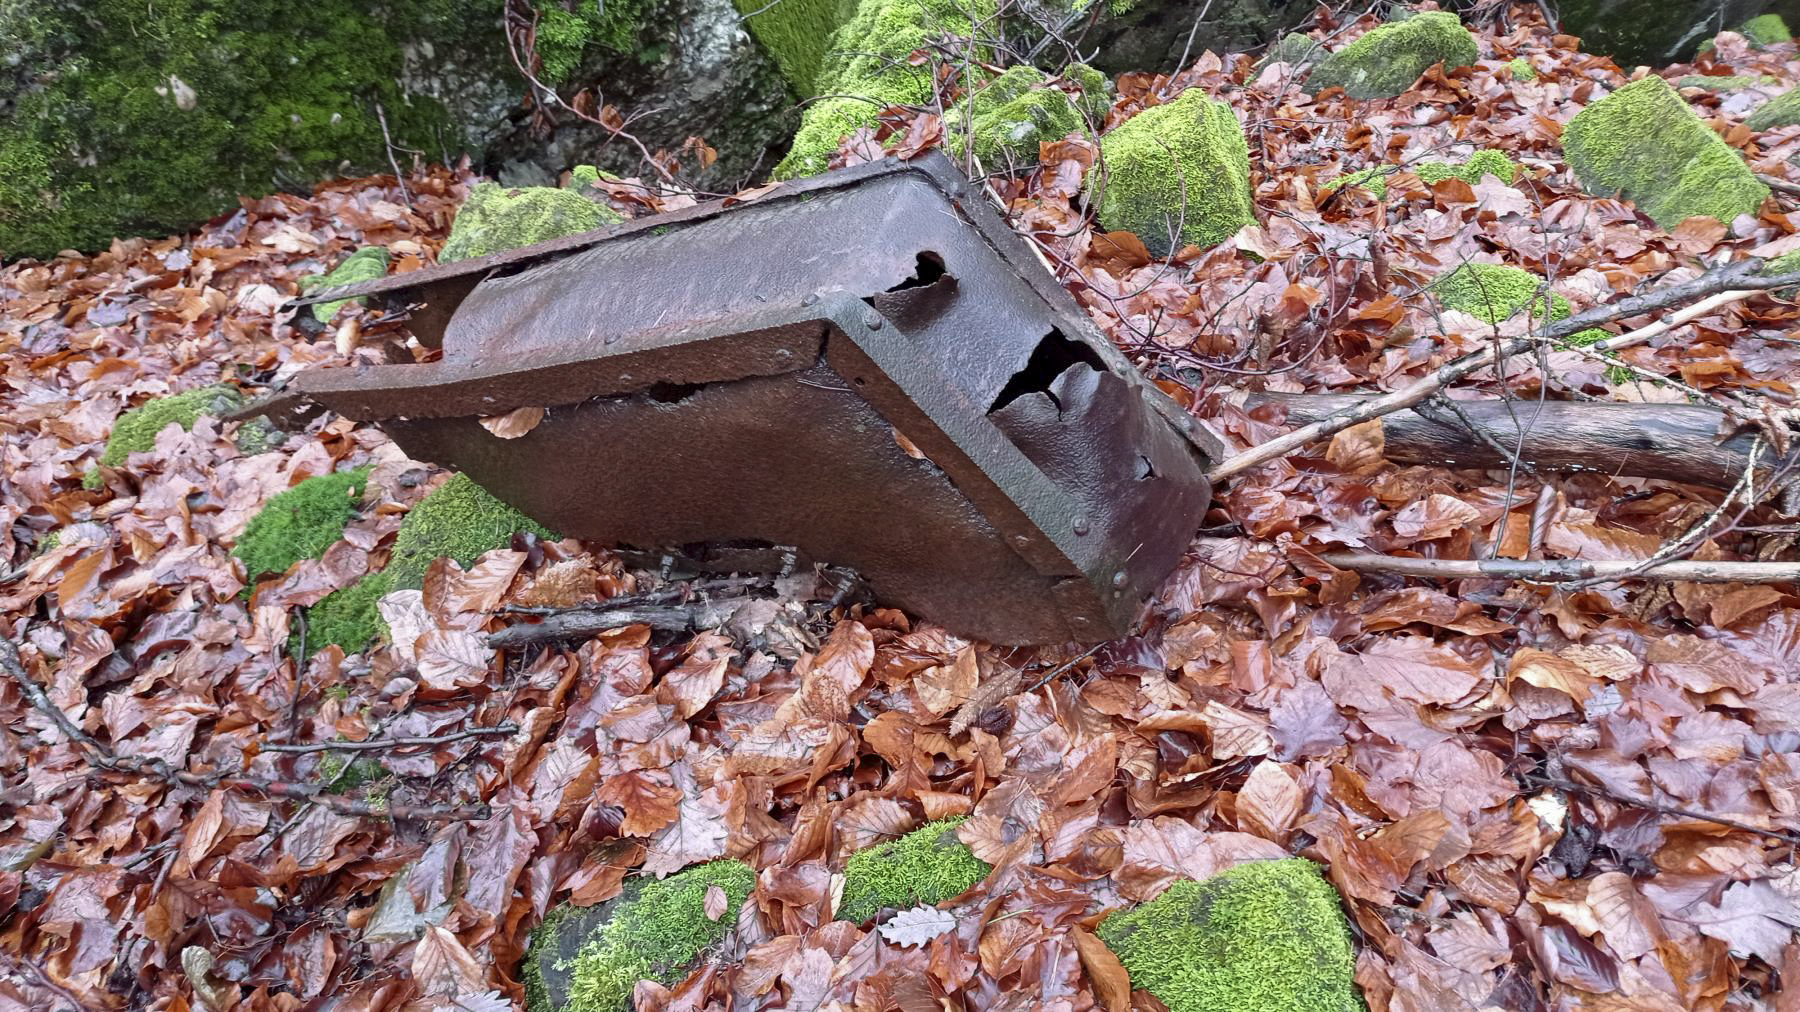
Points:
x=1738 y=280
x=1558 y=570
x=1651 y=806
x=101 y=757
x=394 y=163
x=381 y=743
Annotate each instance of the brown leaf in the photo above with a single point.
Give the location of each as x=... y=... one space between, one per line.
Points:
x=691 y=685
x=514 y=423
x=1414 y=668
x=1438 y=516
x=715 y=903
x=452 y=659
x=1111 y=984
x=945 y=687
x=442 y=968
x=1359 y=449
x=1270 y=801
x=1626 y=919
x=649 y=798
x=1550 y=671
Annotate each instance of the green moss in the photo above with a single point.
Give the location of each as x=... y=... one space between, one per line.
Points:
x=48 y=543
x=135 y=431
x=1493 y=293
x=1177 y=172
x=1388 y=59
x=563 y=35
x=1094 y=93
x=1766 y=30
x=1522 y=70
x=867 y=69
x=1295 y=49
x=797 y=34
x=1644 y=144
x=497 y=218
x=126 y=117
x=1782 y=110
x=1736 y=82
x=339 y=775
x=1488 y=162
x=258 y=435
x=459 y=520
x=300 y=523
x=365 y=264
x=656 y=931
x=347 y=618
x=1268 y=936
x=1014 y=113
x=928 y=865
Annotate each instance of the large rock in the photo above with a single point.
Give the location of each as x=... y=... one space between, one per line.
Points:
x=1174 y=174
x=1644 y=144
x=1387 y=59
x=496 y=218
x=1667 y=31
x=1014 y=113
x=121 y=118
x=1268 y=936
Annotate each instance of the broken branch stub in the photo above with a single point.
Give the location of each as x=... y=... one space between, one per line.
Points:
x=866 y=368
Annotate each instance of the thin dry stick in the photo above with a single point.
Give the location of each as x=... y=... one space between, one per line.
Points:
x=1738 y=280
x=394 y=163
x=1651 y=806
x=1556 y=570
x=380 y=743
x=1777 y=183
x=101 y=757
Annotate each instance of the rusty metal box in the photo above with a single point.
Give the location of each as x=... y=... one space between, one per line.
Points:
x=866 y=368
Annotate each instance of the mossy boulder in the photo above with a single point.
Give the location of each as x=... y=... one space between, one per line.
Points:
x=365 y=264
x=1494 y=292
x=588 y=959
x=797 y=34
x=1736 y=82
x=1487 y=162
x=300 y=523
x=458 y=520
x=1014 y=113
x=1782 y=110
x=1522 y=69
x=348 y=618
x=135 y=431
x=1267 y=936
x=867 y=68
x=1388 y=59
x=926 y=866
x=1766 y=30
x=1174 y=174
x=496 y=218
x=1644 y=144
x=1295 y=50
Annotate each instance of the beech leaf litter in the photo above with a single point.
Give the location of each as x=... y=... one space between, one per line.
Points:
x=1528 y=797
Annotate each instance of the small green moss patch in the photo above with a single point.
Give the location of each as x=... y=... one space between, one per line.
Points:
x=300 y=523
x=1176 y=173
x=1522 y=70
x=1493 y=292
x=928 y=865
x=365 y=264
x=1643 y=144
x=588 y=959
x=1736 y=82
x=497 y=218
x=347 y=618
x=136 y=430
x=1268 y=936
x=1488 y=162
x=1766 y=30
x=1295 y=50
x=459 y=520
x=1015 y=113
x=1388 y=59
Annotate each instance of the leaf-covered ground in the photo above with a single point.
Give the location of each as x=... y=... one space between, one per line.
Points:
x=1411 y=736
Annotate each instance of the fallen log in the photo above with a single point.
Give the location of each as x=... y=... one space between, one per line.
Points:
x=1672 y=442
x=1565 y=570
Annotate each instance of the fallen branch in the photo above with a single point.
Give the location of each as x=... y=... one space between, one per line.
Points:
x=101 y=757
x=1779 y=184
x=581 y=623
x=1738 y=280
x=1559 y=570
x=1660 y=809
x=381 y=743
x=1671 y=442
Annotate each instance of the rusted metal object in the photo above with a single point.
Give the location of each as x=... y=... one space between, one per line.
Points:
x=867 y=368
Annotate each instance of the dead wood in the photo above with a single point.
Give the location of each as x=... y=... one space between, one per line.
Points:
x=1561 y=570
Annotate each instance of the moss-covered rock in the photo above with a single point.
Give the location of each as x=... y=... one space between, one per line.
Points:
x=1295 y=49
x=1494 y=292
x=1175 y=173
x=588 y=959
x=927 y=865
x=365 y=264
x=1736 y=82
x=300 y=523
x=1015 y=112
x=347 y=618
x=497 y=218
x=459 y=520
x=797 y=34
x=1267 y=936
x=1487 y=162
x=564 y=34
x=1766 y=30
x=1388 y=59
x=135 y=431
x=258 y=435
x=1522 y=69
x=867 y=68
x=1644 y=144
x=1782 y=110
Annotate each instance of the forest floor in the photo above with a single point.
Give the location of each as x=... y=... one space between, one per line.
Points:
x=1529 y=796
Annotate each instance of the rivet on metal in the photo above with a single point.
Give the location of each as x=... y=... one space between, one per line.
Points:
x=872 y=320
x=1119 y=578
x=1081 y=527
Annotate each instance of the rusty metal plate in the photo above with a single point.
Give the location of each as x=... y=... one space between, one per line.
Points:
x=867 y=368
